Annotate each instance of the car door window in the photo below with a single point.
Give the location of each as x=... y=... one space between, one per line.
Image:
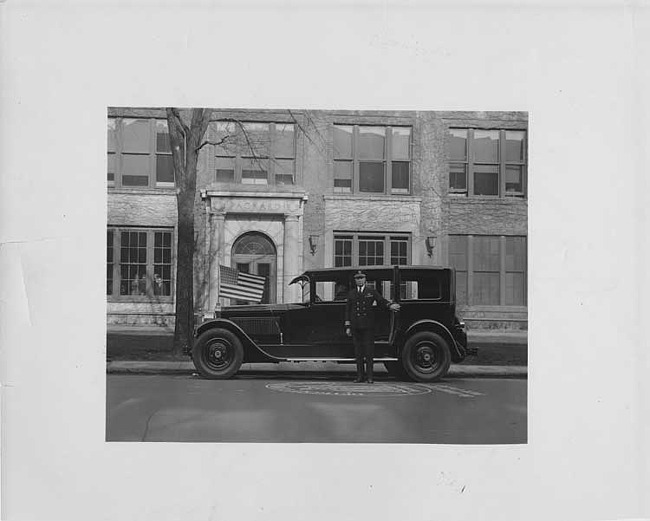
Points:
x=332 y=291
x=421 y=286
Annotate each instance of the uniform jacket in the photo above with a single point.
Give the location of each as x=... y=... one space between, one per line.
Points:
x=359 y=312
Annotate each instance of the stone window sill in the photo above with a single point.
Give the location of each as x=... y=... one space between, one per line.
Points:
x=382 y=198
x=142 y=191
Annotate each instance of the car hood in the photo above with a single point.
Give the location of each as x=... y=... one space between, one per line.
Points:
x=258 y=309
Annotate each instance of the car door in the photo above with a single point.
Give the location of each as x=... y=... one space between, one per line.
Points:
x=316 y=328
x=327 y=319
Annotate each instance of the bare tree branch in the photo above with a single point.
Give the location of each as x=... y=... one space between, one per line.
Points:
x=320 y=147
x=207 y=114
x=179 y=120
x=213 y=143
x=258 y=159
x=174 y=119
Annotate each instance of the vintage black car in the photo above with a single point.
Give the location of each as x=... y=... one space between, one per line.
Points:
x=418 y=342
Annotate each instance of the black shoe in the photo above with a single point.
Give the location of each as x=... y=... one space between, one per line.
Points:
x=370 y=381
x=369 y=371
x=358 y=380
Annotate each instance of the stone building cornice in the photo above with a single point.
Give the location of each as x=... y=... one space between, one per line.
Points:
x=254 y=195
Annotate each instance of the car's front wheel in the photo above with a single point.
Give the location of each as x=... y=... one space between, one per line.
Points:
x=217 y=354
x=426 y=357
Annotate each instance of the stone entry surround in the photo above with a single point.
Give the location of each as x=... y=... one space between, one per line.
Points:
x=278 y=215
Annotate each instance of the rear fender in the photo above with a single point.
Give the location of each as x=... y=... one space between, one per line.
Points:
x=252 y=351
x=457 y=352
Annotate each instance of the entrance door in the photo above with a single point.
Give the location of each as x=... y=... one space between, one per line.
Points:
x=255 y=253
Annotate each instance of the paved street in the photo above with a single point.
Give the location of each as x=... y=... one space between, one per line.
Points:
x=314 y=409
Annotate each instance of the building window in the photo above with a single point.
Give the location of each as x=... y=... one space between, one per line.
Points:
x=254 y=153
x=371 y=249
x=399 y=251
x=458 y=259
x=343 y=250
x=515 y=271
x=164 y=162
x=112 y=150
x=372 y=159
x=139 y=153
x=109 y=262
x=139 y=263
x=487 y=162
x=490 y=270
x=487 y=270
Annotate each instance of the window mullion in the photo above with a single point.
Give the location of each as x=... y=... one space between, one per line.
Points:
x=470 y=162
x=119 y=257
x=152 y=153
x=271 y=154
x=150 y=258
x=502 y=163
x=355 y=159
x=388 y=163
x=524 y=170
x=387 y=251
x=502 y=275
x=173 y=245
x=118 y=152
x=525 y=271
x=470 y=269
x=116 y=265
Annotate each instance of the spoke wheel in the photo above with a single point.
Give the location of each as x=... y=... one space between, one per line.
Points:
x=218 y=353
x=426 y=357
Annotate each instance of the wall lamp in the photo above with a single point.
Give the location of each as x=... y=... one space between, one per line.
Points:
x=313 y=244
x=430 y=243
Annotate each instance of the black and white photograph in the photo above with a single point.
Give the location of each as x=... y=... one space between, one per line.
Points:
x=316 y=276
x=306 y=260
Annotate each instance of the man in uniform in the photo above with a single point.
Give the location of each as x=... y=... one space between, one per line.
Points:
x=359 y=323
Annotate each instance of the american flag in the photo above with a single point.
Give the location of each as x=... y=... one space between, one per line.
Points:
x=239 y=285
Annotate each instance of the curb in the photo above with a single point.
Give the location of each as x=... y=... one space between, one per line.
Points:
x=306 y=368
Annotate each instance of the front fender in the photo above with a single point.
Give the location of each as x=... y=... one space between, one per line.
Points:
x=458 y=352
x=252 y=351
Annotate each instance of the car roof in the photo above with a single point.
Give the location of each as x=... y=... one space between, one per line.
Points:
x=369 y=269
x=349 y=270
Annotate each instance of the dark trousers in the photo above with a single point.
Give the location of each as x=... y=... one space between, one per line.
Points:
x=364 y=348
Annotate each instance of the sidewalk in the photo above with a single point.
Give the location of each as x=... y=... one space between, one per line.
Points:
x=148 y=351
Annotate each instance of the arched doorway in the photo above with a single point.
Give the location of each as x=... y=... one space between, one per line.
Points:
x=254 y=253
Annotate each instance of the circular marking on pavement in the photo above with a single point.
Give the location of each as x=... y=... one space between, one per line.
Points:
x=349 y=389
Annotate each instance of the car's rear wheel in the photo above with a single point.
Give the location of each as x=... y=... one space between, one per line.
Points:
x=426 y=357
x=217 y=354
x=396 y=369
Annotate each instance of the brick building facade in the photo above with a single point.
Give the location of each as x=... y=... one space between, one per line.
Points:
x=281 y=191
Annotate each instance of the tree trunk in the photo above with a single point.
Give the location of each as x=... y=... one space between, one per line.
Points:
x=185 y=138
x=184 y=324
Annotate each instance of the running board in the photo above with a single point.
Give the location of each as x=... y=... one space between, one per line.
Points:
x=385 y=359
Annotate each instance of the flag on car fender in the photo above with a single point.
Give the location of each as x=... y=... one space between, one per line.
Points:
x=239 y=285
